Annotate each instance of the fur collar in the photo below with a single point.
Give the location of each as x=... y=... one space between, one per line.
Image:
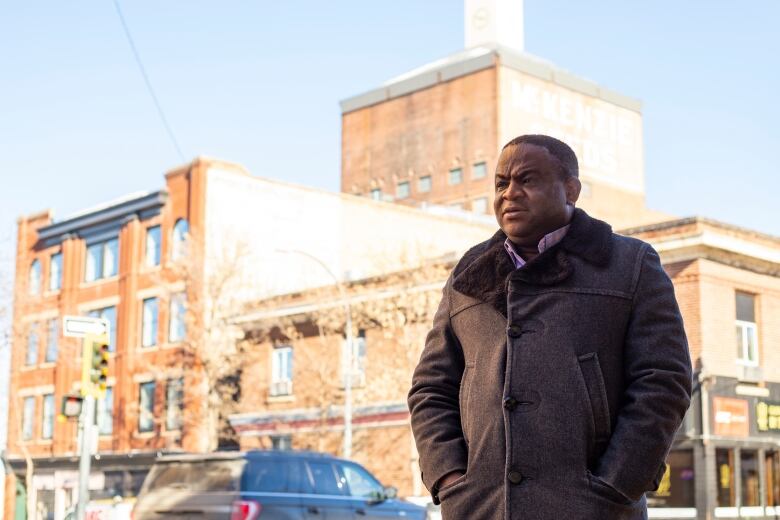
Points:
x=484 y=270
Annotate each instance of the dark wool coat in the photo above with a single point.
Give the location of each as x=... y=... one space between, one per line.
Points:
x=557 y=387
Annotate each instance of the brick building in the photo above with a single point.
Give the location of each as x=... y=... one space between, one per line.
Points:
x=149 y=263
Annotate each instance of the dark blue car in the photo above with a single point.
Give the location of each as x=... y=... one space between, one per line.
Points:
x=267 y=485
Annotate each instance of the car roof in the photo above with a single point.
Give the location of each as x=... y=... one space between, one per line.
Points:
x=252 y=454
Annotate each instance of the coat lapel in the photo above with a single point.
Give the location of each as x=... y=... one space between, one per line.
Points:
x=483 y=272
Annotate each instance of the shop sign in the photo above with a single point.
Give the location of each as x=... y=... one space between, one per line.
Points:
x=731 y=416
x=768 y=416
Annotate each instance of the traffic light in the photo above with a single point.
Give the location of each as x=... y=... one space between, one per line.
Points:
x=95 y=365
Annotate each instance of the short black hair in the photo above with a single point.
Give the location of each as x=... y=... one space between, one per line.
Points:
x=557 y=149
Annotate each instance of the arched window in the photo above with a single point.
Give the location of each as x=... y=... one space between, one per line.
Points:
x=35 y=277
x=181 y=233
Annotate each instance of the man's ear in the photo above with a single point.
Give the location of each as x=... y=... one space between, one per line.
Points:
x=572 y=185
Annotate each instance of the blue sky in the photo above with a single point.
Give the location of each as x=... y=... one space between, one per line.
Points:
x=259 y=83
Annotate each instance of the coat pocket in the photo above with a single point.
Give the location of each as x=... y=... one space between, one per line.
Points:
x=606 y=490
x=599 y=406
x=463 y=398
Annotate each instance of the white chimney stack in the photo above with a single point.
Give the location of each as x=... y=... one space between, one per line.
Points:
x=494 y=22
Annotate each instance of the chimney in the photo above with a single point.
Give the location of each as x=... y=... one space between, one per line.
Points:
x=494 y=22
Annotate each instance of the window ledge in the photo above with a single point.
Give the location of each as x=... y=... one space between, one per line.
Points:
x=280 y=398
x=99 y=281
x=144 y=435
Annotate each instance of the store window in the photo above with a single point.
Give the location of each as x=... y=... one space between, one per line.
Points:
x=376 y=194
x=748 y=470
x=724 y=473
x=677 y=484
x=281 y=442
x=747 y=342
x=772 y=465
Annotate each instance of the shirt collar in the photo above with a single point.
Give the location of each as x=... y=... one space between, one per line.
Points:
x=547 y=241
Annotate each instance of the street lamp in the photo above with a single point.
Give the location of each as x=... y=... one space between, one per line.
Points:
x=347 y=449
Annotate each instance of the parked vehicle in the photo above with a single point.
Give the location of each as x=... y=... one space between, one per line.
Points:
x=267 y=485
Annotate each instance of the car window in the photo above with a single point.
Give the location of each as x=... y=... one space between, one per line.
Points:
x=361 y=483
x=272 y=476
x=325 y=480
x=200 y=476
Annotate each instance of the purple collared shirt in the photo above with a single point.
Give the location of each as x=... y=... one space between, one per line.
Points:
x=547 y=241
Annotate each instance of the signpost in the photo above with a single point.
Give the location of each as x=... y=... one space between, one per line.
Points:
x=95 y=334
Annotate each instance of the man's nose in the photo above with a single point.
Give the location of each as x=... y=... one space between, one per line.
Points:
x=513 y=191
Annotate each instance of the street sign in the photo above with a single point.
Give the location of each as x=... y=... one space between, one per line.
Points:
x=80 y=326
x=71 y=405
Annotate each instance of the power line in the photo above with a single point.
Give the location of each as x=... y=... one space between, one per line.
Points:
x=148 y=82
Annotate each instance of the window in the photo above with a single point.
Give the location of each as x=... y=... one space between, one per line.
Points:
x=747 y=344
x=424 y=184
x=456 y=175
x=358 y=359
x=55 y=272
x=724 y=462
x=361 y=483
x=402 y=191
x=325 y=480
x=102 y=260
x=677 y=484
x=52 y=337
x=28 y=411
x=146 y=407
x=376 y=194
x=174 y=401
x=281 y=371
x=105 y=418
x=108 y=314
x=153 y=246
x=479 y=205
x=177 y=324
x=181 y=232
x=149 y=327
x=267 y=475
x=479 y=171
x=281 y=442
x=32 y=345
x=47 y=426
x=35 y=277
x=772 y=464
x=748 y=469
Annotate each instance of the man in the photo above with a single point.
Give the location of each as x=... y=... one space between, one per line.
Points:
x=557 y=370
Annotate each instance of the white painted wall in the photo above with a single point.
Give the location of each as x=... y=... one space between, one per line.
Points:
x=354 y=236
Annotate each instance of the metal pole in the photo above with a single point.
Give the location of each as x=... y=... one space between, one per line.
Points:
x=87 y=426
x=347 y=448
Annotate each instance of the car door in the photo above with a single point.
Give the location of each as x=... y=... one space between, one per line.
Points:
x=327 y=497
x=368 y=494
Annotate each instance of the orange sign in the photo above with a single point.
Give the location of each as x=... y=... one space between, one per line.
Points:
x=731 y=416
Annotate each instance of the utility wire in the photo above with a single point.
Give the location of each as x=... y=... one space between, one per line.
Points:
x=148 y=82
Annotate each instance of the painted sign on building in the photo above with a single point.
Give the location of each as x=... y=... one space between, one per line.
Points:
x=768 y=416
x=731 y=416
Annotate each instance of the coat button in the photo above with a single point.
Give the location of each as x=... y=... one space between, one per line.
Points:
x=510 y=403
x=515 y=331
x=515 y=477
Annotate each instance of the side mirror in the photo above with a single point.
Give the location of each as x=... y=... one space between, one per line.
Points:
x=391 y=491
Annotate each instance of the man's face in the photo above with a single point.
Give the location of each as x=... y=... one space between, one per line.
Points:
x=531 y=193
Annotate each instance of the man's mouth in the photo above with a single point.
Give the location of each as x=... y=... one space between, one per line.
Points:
x=512 y=212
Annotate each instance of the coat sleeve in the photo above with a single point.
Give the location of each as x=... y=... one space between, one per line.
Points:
x=433 y=400
x=658 y=378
